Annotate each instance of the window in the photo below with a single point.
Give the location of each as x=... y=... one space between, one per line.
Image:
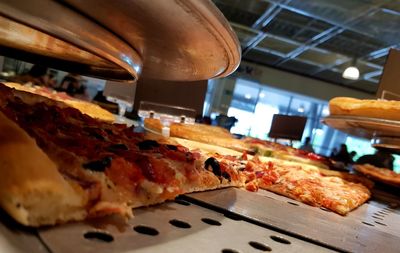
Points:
x=254 y=106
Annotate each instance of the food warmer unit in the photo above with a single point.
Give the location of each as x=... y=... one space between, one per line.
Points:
x=173 y=40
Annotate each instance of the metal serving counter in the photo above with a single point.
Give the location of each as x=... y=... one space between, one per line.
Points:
x=188 y=40
x=227 y=220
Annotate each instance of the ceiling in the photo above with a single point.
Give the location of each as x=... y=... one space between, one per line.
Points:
x=317 y=38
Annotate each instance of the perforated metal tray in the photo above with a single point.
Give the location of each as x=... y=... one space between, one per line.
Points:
x=373 y=227
x=228 y=220
x=170 y=227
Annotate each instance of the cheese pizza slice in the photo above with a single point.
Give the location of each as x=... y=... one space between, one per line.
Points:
x=63 y=165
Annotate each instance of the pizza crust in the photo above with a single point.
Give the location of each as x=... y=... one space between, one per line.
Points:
x=383 y=109
x=208 y=148
x=32 y=190
x=85 y=107
x=348 y=177
x=383 y=175
x=213 y=135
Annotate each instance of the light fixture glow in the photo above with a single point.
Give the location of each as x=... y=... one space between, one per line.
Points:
x=351 y=73
x=318 y=131
x=300 y=109
x=325 y=112
x=247 y=96
x=262 y=95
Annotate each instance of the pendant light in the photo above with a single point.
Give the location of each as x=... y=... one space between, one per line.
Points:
x=352 y=72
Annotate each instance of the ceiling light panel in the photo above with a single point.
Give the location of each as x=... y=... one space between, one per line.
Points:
x=245 y=34
x=322 y=57
x=383 y=24
x=278 y=44
x=352 y=44
x=262 y=57
x=288 y=24
x=337 y=12
x=300 y=67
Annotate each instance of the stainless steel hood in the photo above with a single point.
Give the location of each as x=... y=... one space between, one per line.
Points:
x=120 y=40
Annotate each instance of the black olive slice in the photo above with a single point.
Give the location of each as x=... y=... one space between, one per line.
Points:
x=172 y=147
x=147 y=145
x=117 y=147
x=95 y=133
x=226 y=175
x=216 y=169
x=99 y=165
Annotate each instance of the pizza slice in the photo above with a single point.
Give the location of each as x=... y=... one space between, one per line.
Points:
x=371 y=108
x=383 y=175
x=309 y=184
x=355 y=178
x=298 y=181
x=85 y=107
x=272 y=149
x=306 y=184
x=201 y=133
x=31 y=189
x=63 y=165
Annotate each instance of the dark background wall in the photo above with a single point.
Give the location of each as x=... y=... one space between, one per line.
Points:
x=184 y=94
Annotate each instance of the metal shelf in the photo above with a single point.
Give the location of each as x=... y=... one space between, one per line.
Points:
x=171 y=227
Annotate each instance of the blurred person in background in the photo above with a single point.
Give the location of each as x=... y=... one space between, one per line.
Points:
x=203 y=120
x=353 y=155
x=226 y=121
x=72 y=85
x=37 y=75
x=381 y=159
x=343 y=155
x=307 y=145
x=333 y=153
x=52 y=80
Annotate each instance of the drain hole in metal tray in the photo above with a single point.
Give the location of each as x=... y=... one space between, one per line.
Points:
x=211 y=222
x=377 y=217
x=98 y=236
x=179 y=223
x=260 y=246
x=229 y=251
x=280 y=239
x=368 y=224
x=325 y=209
x=380 y=223
x=146 y=230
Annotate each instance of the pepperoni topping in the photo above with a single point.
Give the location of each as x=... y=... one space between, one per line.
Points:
x=156 y=170
x=124 y=174
x=252 y=186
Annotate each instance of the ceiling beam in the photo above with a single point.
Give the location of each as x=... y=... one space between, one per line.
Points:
x=272 y=12
x=286 y=6
x=315 y=41
x=326 y=35
x=371 y=56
